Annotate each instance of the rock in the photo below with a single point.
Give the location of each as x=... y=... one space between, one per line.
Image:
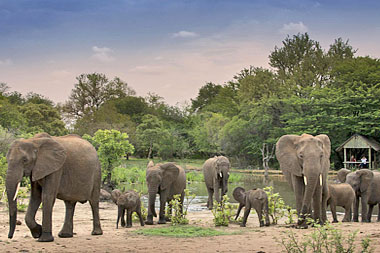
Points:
x=104 y=195
x=18 y=222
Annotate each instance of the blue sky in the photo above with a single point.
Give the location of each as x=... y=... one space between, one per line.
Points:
x=168 y=47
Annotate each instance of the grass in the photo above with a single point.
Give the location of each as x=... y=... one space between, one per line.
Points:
x=181 y=231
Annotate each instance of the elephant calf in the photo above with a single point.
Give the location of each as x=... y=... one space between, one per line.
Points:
x=130 y=201
x=341 y=195
x=256 y=198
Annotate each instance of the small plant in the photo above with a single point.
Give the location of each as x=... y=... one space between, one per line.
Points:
x=178 y=213
x=21 y=196
x=223 y=212
x=291 y=214
x=324 y=239
x=276 y=204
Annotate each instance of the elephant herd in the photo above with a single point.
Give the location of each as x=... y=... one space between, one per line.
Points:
x=67 y=168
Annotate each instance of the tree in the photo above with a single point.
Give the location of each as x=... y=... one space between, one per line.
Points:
x=149 y=133
x=91 y=91
x=205 y=96
x=112 y=146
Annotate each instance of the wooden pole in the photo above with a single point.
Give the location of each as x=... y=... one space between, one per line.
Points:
x=369 y=158
x=345 y=158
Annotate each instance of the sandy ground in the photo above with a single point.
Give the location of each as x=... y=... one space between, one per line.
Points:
x=251 y=239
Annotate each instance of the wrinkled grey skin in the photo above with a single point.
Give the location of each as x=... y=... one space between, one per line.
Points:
x=307 y=157
x=257 y=199
x=366 y=185
x=130 y=201
x=167 y=180
x=65 y=167
x=216 y=174
x=341 y=195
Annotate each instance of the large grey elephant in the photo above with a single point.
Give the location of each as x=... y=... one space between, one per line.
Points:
x=167 y=180
x=366 y=185
x=305 y=162
x=216 y=174
x=64 y=167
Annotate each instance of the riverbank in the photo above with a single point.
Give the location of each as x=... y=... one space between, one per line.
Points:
x=249 y=239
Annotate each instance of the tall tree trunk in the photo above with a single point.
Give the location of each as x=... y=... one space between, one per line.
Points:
x=266 y=157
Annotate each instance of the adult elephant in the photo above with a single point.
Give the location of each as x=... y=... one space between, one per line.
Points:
x=167 y=180
x=305 y=162
x=64 y=167
x=216 y=173
x=366 y=185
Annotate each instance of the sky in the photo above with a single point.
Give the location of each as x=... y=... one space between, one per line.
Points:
x=167 y=47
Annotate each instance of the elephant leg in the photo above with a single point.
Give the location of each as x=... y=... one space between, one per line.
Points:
x=129 y=218
x=325 y=192
x=246 y=213
x=49 y=193
x=356 y=209
x=369 y=216
x=140 y=216
x=182 y=200
x=299 y=190
x=210 y=200
x=378 y=214
x=260 y=215
x=163 y=198
x=34 y=203
x=67 y=229
x=266 y=213
x=238 y=211
x=122 y=216
x=333 y=212
x=119 y=214
x=347 y=214
x=364 y=202
x=97 y=230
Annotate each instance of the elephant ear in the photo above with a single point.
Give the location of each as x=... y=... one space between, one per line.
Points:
x=239 y=195
x=50 y=157
x=286 y=154
x=115 y=194
x=342 y=175
x=170 y=173
x=366 y=177
x=326 y=144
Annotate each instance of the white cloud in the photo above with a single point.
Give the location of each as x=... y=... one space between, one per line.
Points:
x=293 y=28
x=6 y=62
x=61 y=74
x=184 y=34
x=103 y=54
x=147 y=69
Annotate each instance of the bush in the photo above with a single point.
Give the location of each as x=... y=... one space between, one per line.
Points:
x=128 y=175
x=176 y=216
x=276 y=204
x=223 y=212
x=324 y=239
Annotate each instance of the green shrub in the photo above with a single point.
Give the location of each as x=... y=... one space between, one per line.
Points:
x=194 y=176
x=324 y=239
x=235 y=178
x=128 y=175
x=223 y=212
x=176 y=216
x=276 y=204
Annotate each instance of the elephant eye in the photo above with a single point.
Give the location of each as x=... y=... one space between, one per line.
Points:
x=24 y=160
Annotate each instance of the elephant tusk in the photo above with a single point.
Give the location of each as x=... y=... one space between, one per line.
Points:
x=18 y=188
x=228 y=173
x=305 y=180
x=320 y=179
x=220 y=174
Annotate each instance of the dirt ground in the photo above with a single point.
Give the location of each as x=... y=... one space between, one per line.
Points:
x=251 y=239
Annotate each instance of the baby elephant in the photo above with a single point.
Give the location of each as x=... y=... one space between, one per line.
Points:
x=129 y=200
x=256 y=198
x=341 y=195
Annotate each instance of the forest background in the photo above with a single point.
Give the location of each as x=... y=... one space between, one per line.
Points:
x=307 y=89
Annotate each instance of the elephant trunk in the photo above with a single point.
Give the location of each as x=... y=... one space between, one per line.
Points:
x=151 y=202
x=12 y=189
x=12 y=185
x=311 y=184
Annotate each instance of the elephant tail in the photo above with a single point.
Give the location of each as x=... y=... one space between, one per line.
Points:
x=239 y=195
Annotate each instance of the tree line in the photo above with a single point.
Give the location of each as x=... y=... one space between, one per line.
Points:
x=307 y=89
